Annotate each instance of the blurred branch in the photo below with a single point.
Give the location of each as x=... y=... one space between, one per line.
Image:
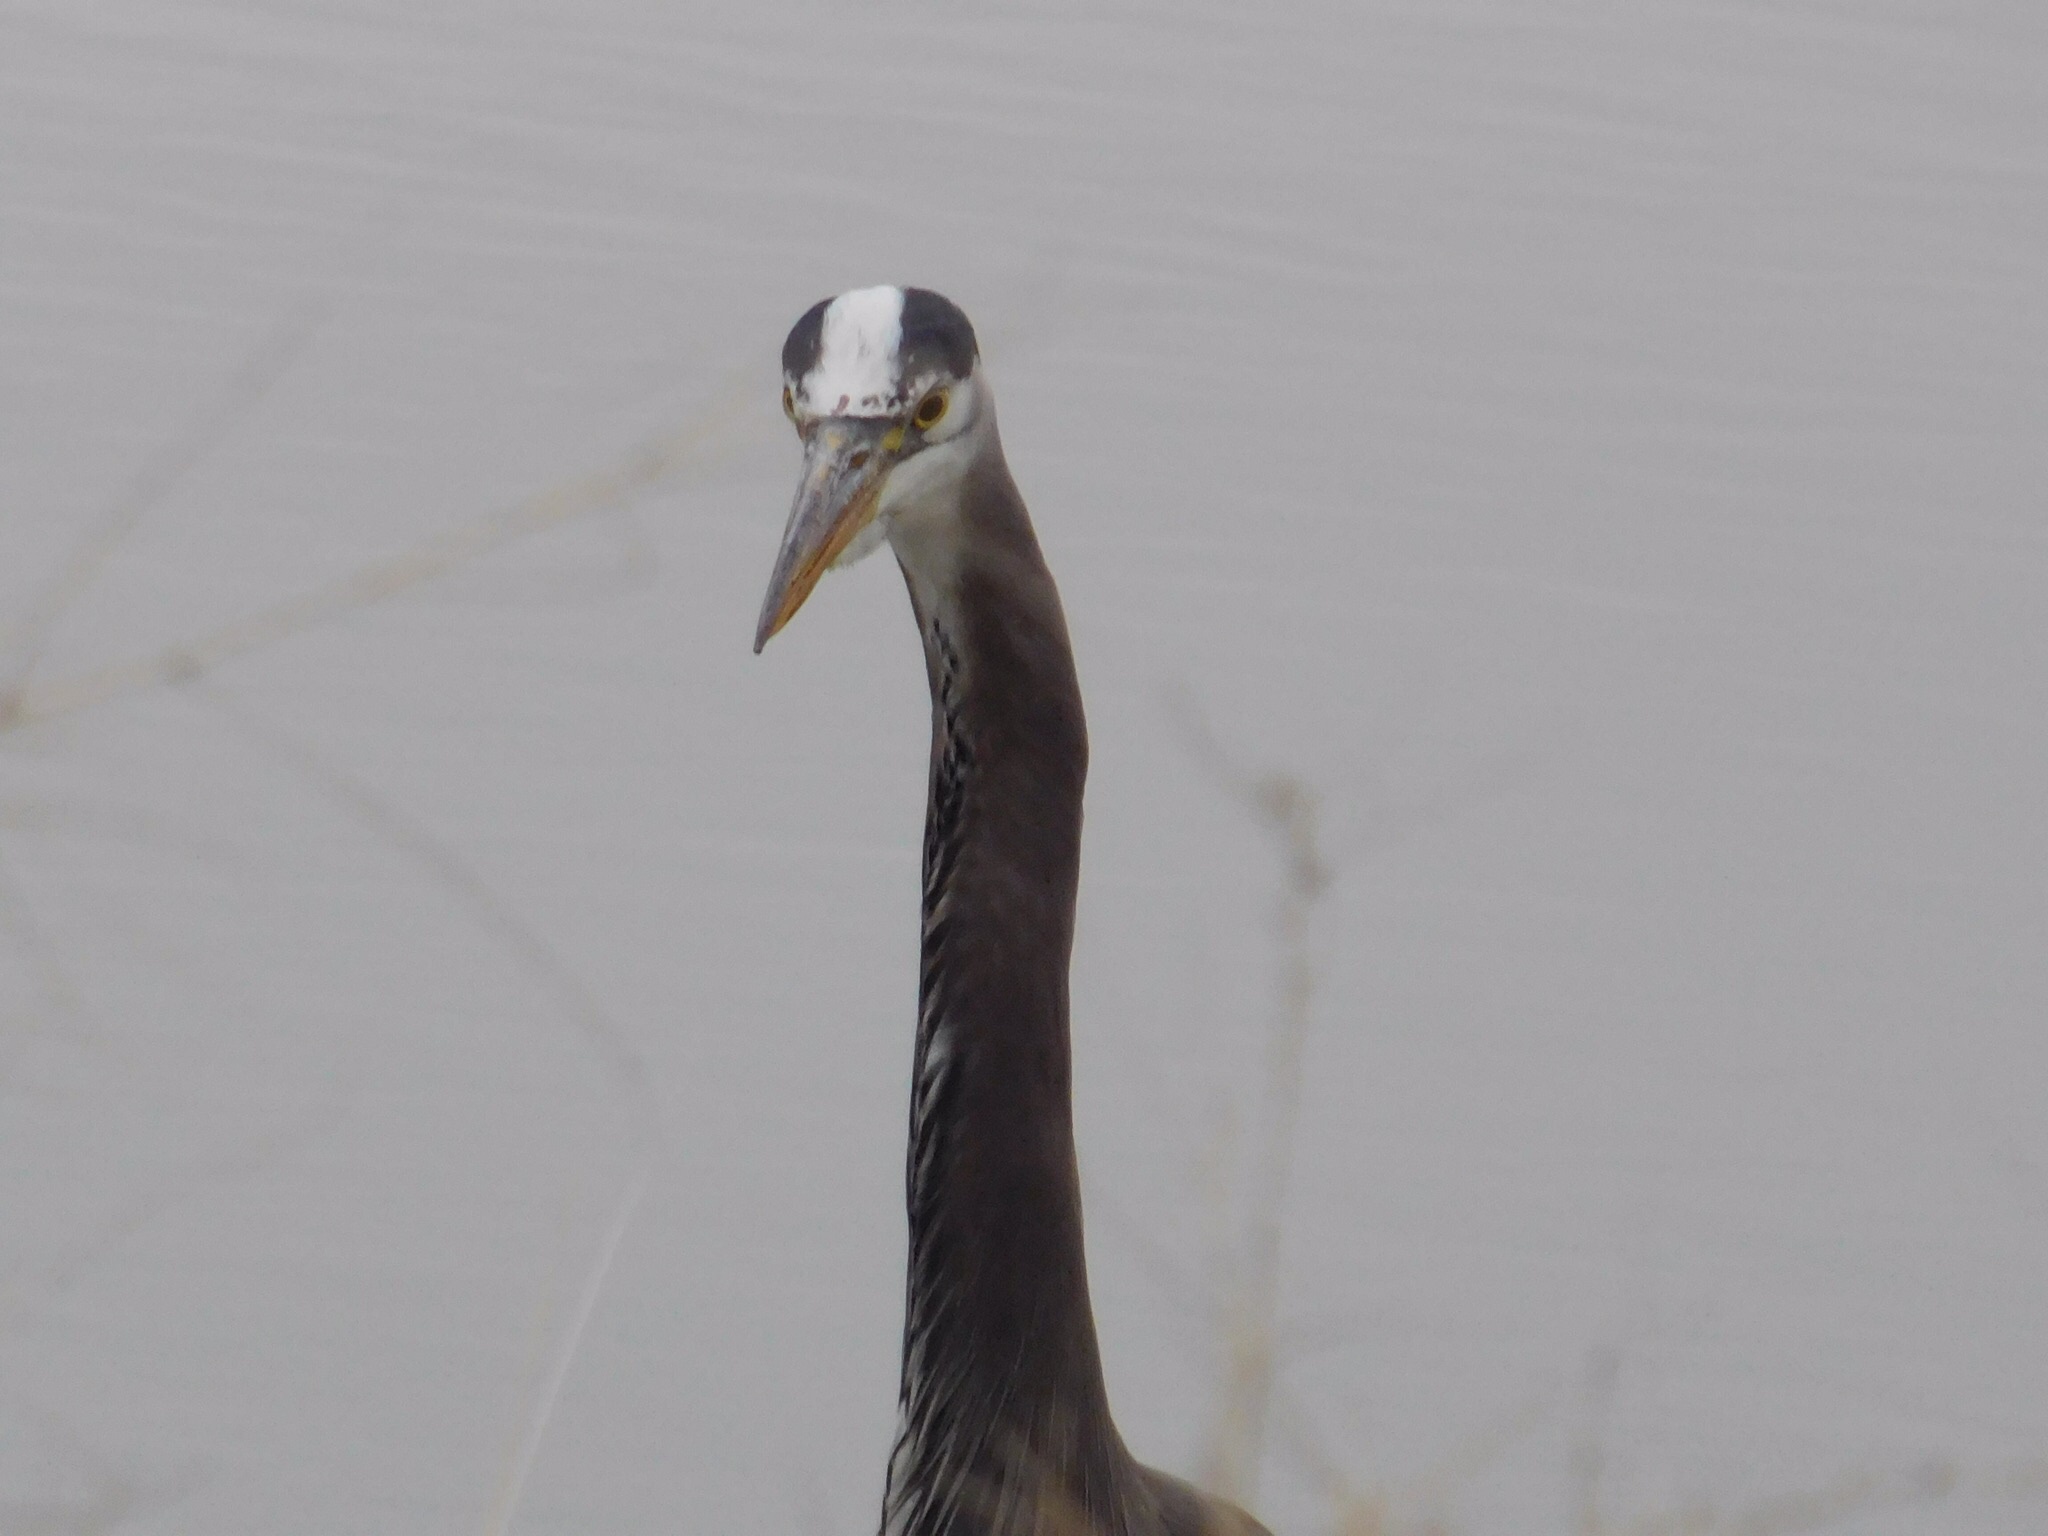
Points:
x=160 y=475
x=171 y=1187
x=59 y=993
x=556 y=980
x=643 y=468
x=95 y=1497
x=1285 y=809
x=1589 y=1446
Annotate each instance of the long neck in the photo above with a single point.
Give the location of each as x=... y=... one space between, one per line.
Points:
x=1003 y=1412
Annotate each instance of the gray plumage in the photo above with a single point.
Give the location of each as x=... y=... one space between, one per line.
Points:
x=1004 y=1422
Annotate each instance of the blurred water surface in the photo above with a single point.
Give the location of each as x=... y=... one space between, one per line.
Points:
x=1597 y=447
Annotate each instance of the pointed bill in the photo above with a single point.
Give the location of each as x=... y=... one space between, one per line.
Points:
x=844 y=459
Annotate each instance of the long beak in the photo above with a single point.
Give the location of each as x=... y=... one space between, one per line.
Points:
x=844 y=459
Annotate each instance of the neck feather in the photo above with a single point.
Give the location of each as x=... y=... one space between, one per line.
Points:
x=1003 y=1406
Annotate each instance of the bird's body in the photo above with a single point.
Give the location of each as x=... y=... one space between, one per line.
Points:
x=1004 y=1423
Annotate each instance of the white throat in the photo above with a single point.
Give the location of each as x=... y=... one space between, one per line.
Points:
x=920 y=509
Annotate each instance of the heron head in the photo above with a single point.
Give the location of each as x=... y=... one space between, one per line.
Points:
x=884 y=388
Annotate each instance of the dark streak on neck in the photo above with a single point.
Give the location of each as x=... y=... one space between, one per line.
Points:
x=1003 y=1405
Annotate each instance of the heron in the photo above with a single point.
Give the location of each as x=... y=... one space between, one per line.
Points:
x=1003 y=1419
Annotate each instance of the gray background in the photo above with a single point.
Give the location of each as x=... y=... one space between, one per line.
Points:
x=1597 y=447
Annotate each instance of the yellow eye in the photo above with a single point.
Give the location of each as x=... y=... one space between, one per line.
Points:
x=930 y=411
x=788 y=403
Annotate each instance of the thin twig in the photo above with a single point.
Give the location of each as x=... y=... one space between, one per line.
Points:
x=568 y=1342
